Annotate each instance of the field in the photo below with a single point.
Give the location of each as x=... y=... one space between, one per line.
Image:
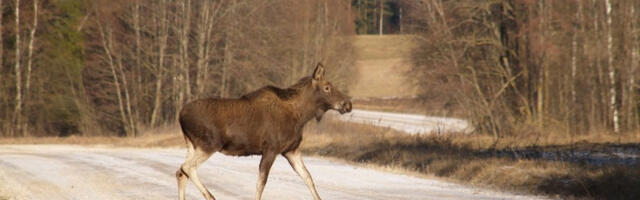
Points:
x=382 y=65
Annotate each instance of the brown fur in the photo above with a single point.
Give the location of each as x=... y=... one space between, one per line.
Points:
x=266 y=122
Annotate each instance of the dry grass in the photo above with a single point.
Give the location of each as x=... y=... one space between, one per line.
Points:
x=165 y=137
x=477 y=159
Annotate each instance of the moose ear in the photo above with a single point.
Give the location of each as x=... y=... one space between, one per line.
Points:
x=318 y=73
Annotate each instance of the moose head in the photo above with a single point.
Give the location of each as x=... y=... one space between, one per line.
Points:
x=327 y=96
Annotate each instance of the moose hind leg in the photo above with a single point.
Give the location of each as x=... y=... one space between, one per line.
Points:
x=190 y=168
x=265 y=166
x=295 y=159
x=182 y=178
x=181 y=175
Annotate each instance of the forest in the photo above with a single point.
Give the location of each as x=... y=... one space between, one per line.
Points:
x=530 y=66
x=117 y=67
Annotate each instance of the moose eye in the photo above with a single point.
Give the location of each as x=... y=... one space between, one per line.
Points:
x=327 y=88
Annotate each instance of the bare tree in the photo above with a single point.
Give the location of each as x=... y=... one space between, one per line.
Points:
x=381 y=17
x=574 y=50
x=27 y=88
x=612 y=72
x=17 y=113
x=1 y=36
x=184 y=41
x=162 y=24
x=633 y=65
x=5 y=99
x=107 y=41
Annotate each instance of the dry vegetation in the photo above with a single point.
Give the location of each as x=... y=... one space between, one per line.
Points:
x=479 y=160
x=161 y=137
x=569 y=65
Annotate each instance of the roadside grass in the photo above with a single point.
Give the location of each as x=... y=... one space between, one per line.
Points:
x=469 y=159
x=477 y=159
x=160 y=138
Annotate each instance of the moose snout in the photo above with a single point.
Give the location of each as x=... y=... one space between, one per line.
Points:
x=345 y=107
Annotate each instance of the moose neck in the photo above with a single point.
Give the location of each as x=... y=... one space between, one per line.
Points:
x=304 y=105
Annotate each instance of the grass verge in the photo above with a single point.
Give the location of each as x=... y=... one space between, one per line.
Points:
x=164 y=137
x=479 y=160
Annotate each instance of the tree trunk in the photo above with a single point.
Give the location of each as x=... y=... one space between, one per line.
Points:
x=612 y=72
x=228 y=56
x=400 y=20
x=185 y=47
x=133 y=130
x=27 y=88
x=140 y=89
x=106 y=43
x=574 y=52
x=632 y=71
x=541 y=89
x=6 y=115
x=162 y=44
x=181 y=83
x=1 y=37
x=18 y=107
x=381 y=18
x=201 y=48
x=602 y=116
x=365 y=22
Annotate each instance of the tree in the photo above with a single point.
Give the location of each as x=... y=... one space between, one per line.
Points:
x=613 y=94
x=17 y=113
x=32 y=38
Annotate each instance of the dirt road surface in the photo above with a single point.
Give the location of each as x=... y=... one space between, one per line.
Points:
x=408 y=123
x=76 y=172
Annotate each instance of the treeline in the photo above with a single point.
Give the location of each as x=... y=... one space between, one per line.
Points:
x=520 y=66
x=108 y=67
x=382 y=16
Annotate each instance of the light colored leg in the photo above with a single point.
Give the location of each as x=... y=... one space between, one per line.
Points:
x=190 y=167
x=295 y=159
x=181 y=175
x=265 y=166
x=182 y=182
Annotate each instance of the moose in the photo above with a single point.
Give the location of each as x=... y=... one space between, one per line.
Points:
x=267 y=122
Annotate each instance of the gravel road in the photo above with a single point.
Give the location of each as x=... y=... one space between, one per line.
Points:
x=408 y=123
x=78 y=172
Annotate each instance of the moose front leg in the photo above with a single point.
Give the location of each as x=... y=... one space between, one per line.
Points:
x=265 y=166
x=295 y=159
